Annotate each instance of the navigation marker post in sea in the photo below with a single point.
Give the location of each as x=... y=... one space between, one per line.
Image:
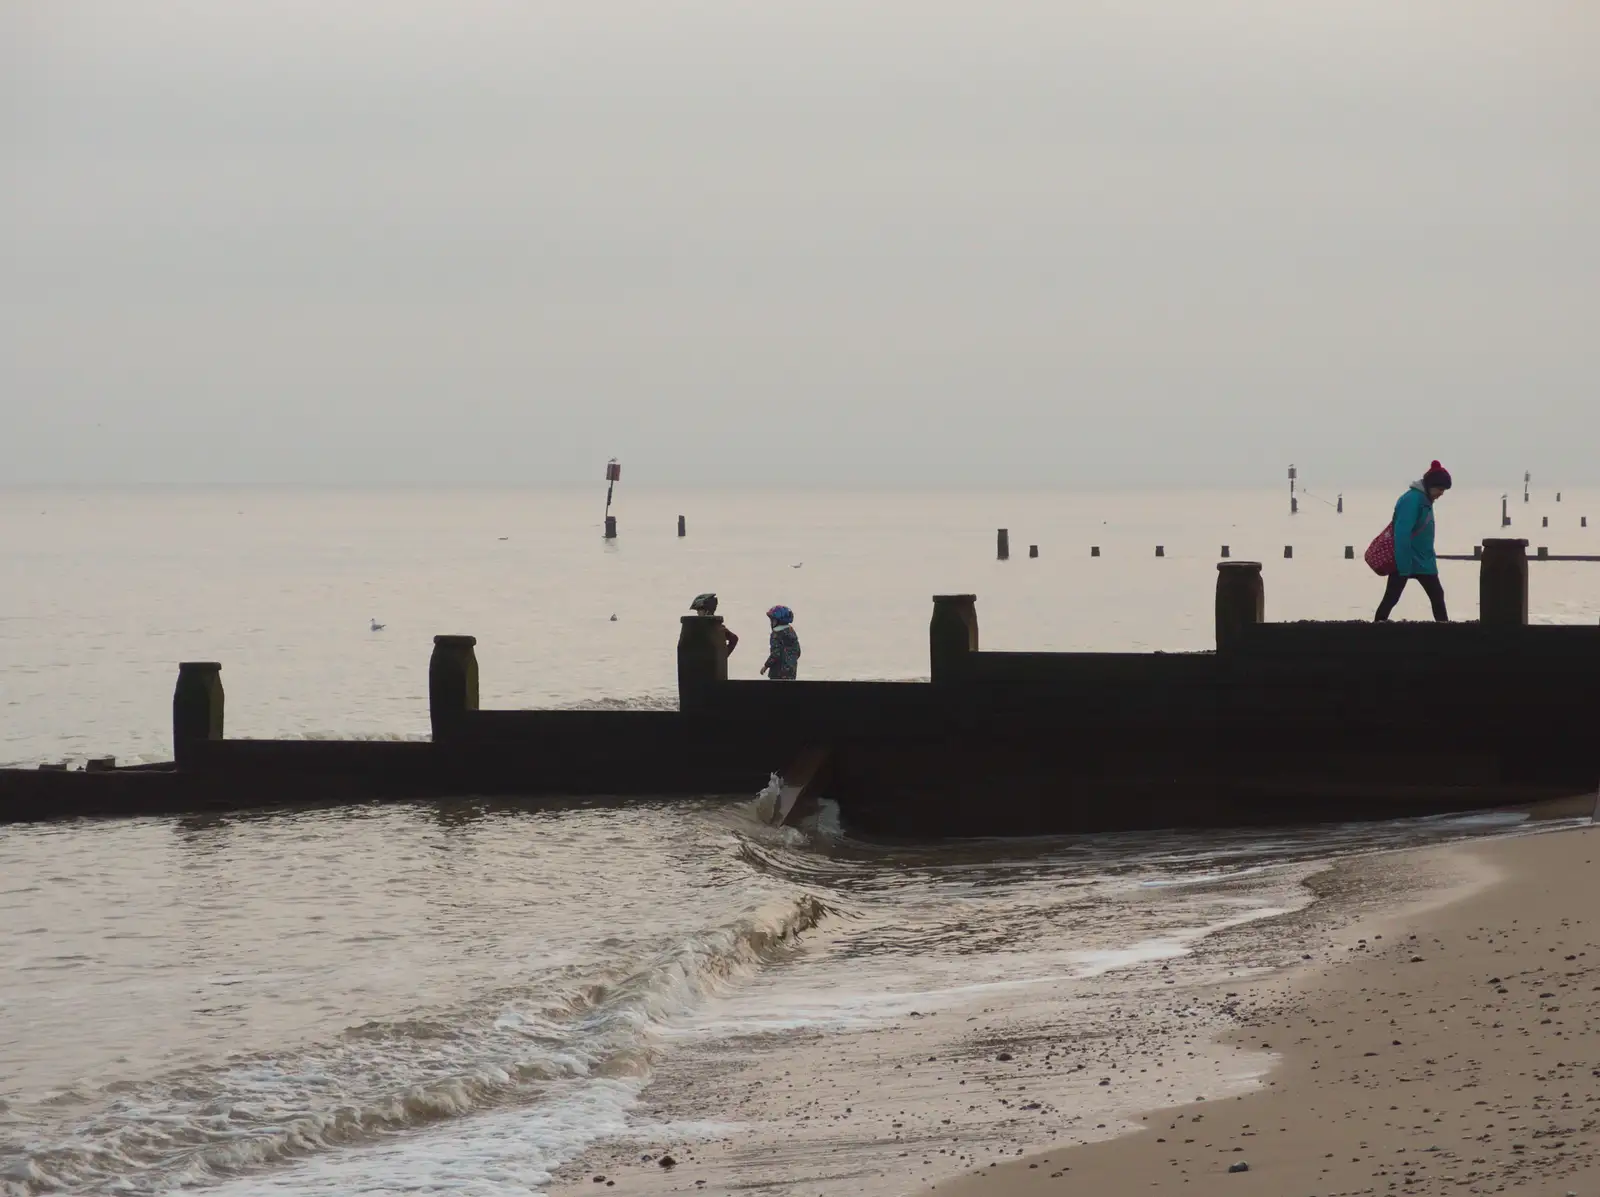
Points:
x=613 y=476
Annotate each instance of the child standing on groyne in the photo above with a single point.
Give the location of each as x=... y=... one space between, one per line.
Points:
x=1414 y=557
x=706 y=604
x=783 y=661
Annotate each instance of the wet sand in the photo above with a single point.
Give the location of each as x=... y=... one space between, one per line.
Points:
x=1443 y=1048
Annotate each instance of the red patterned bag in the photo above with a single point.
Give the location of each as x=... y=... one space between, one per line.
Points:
x=1380 y=553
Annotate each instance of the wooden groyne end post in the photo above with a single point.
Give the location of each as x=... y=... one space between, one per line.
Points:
x=1241 y=600
x=702 y=658
x=452 y=683
x=1002 y=544
x=1503 y=583
x=952 y=635
x=196 y=708
x=802 y=779
x=683 y=527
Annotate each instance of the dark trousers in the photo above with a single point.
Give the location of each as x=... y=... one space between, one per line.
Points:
x=1429 y=584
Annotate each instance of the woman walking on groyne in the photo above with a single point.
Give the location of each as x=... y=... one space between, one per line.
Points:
x=1411 y=534
x=783 y=662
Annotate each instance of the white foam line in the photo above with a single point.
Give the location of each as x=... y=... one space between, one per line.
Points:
x=861 y=1011
x=509 y=1152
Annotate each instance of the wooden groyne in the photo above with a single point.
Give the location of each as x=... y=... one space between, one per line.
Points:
x=1282 y=723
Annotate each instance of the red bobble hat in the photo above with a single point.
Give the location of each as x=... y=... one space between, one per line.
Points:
x=1438 y=476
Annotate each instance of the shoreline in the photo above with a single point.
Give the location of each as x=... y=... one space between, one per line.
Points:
x=1440 y=1051
x=873 y=1112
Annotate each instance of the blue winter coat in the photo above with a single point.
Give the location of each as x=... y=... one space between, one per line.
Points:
x=1413 y=534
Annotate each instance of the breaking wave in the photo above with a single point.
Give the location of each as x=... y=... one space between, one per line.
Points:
x=507 y=1048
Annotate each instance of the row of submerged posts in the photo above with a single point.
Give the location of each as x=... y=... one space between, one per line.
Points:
x=1542 y=553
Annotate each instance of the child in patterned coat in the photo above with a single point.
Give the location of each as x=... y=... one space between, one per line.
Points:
x=783 y=661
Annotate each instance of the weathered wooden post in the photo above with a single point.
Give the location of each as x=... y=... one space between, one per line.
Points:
x=1288 y=551
x=1227 y=551
x=1545 y=521
x=1161 y=550
x=683 y=528
x=952 y=635
x=1094 y=550
x=1349 y=552
x=1544 y=552
x=1002 y=546
x=1241 y=601
x=1033 y=550
x=452 y=683
x=702 y=659
x=1503 y=583
x=196 y=708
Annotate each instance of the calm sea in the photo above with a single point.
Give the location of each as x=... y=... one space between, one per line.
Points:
x=458 y=998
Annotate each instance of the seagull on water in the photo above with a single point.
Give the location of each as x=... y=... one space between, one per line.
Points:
x=378 y=627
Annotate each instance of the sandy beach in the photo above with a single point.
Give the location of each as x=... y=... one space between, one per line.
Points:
x=1441 y=1049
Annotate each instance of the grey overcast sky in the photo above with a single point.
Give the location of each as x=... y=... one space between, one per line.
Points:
x=830 y=242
